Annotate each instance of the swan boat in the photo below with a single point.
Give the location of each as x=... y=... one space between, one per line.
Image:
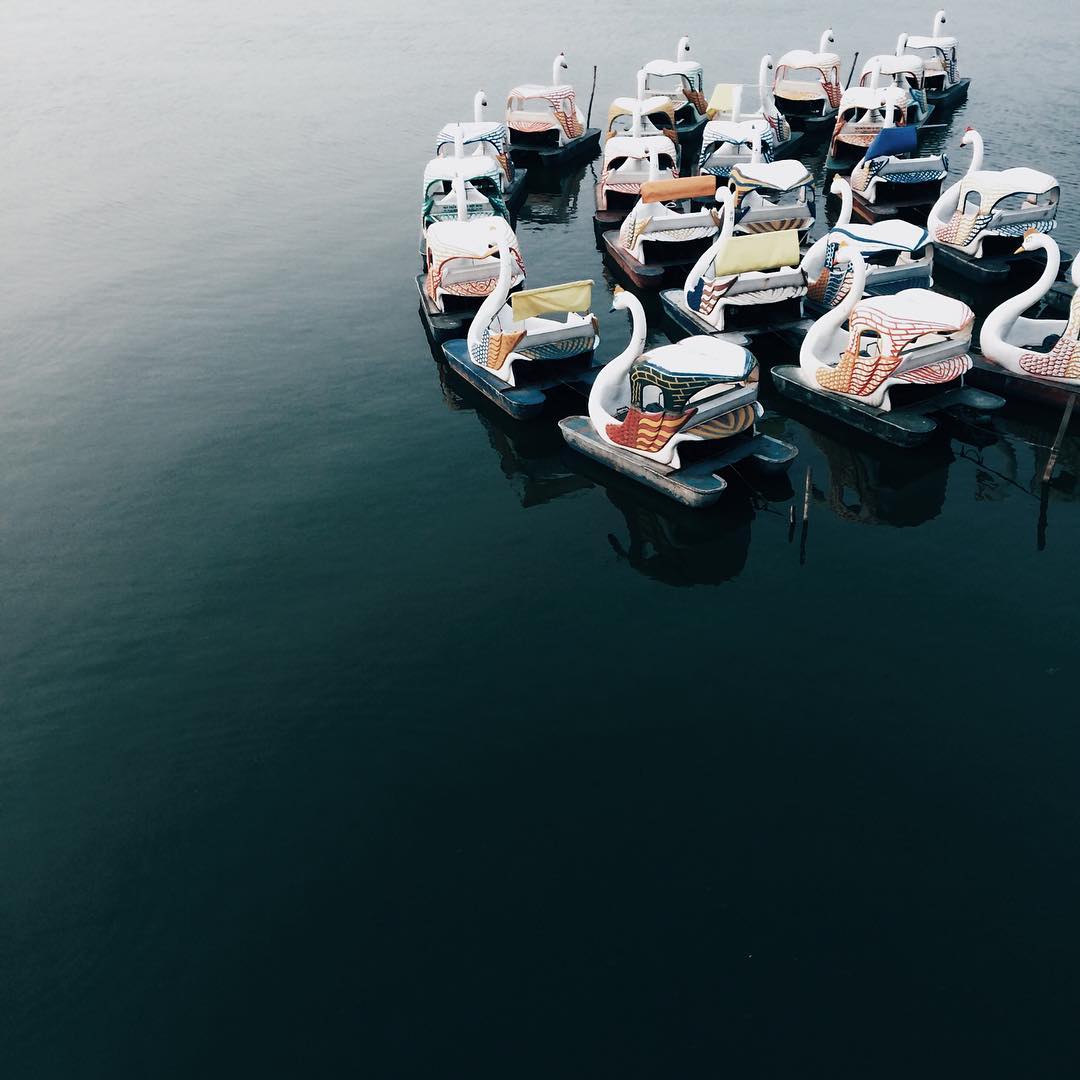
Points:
x=771 y=196
x=728 y=138
x=663 y=233
x=460 y=268
x=807 y=90
x=858 y=352
x=629 y=161
x=514 y=353
x=898 y=254
x=673 y=416
x=751 y=283
x=944 y=87
x=977 y=221
x=486 y=138
x=546 y=126
x=682 y=82
x=904 y=71
x=1033 y=358
x=642 y=115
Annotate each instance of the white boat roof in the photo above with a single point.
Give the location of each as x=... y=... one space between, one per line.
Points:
x=475 y=235
x=1017 y=180
x=867 y=97
x=474 y=130
x=778 y=174
x=634 y=146
x=702 y=355
x=920 y=306
x=673 y=67
x=649 y=105
x=716 y=130
x=468 y=168
x=531 y=90
x=883 y=235
x=932 y=42
x=802 y=58
x=907 y=64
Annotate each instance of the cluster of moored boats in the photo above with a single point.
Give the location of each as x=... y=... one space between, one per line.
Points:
x=712 y=192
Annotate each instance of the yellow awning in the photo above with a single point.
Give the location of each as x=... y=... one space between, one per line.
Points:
x=722 y=100
x=759 y=251
x=573 y=296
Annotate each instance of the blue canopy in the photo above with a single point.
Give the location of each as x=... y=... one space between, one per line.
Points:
x=893 y=140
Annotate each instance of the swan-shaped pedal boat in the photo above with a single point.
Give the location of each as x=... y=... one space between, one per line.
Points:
x=514 y=353
x=904 y=71
x=682 y=82
x=898 y=254
x=945 y=89
x=648 y=408
x=461 y=268
x=546 y=126
x=755 y=282
x=728 y=138
x=642 y=115
x=772 y=196
x=486 y=138
x=977 y=221
x=630 y=160
x=807 y=89
x=663 y=233
x=856 y=354
x=1036 y=358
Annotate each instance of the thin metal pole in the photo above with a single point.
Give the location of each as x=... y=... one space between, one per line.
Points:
x=588 y=115
x=852 y=71
x=1051 y=461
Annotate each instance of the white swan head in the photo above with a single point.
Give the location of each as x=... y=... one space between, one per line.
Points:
x=641 y=84
x=558 y=65
x=838 y=184
x=620 y=299
x=939 y=22
x=901 y=44
x=827 y=39
x=972 y=138
x=479 y=105
x=682 y=51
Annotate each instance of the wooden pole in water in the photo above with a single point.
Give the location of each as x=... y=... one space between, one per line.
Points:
x=852 y=71
x=1051 y=461
x=806 y=495
x=588 y=114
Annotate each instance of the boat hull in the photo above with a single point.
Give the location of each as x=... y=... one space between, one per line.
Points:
x=742 y=323
x=666 y=260
x=551 y=158
x=696 y=484
x=909 y=426
x=990 y=376
x=950 y=97
x=530 y=398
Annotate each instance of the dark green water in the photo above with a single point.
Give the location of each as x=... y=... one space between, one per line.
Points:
x=349 y=729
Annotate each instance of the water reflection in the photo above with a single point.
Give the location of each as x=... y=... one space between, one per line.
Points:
x=553 y=197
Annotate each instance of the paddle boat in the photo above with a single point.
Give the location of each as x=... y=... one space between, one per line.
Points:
x=653 y=115
x=663 y=233
x=945 y=89
x=546 y=126
x=903 y=70
x=486 y=138
x=1035 y=358
x=461 y=268
x=751 y=283
x=514 y=352
x=650 y=409
x=728 y=138
x=682 y=82
x=977 y=221
x=854 y=356
x=771 y=196
x=898 y=254
x=629 y=161
x=807 y=90
x=480 y=178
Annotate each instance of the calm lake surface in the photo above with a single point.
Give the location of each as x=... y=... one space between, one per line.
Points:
x=347 y=728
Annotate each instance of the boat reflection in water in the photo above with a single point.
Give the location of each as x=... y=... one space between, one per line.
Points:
x=531 y=456
x=553 y=197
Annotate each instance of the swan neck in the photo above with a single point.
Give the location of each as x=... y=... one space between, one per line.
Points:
x=823 y=330
x=494 y=301
x=478 y=107
x=616 y=370
x=999 y=320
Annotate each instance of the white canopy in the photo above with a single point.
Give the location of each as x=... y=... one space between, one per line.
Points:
x=1018 y=181
x=777 y=174
x=663 y=68
x=801 y=58
x=635 y=146
x=468 y=168
x=895 y=65
x=932 y=42
x=872 y=97
x=649 y=105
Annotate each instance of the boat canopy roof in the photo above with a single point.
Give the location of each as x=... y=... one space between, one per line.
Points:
x=895 y=65
x=758 y=252
x=476 y=238
x=468 y=168
x=882 y=236
x=625 y=106
x=942 y=43
x=914 y=310
x=702 y=355
x=686 y=187
x=802 y=58
x=636 y=146
x=893 y=140
x=1004 y=182
x=553 y=94
x=687 y=69
x=473 y=132
x=777 y=175
x=872 y=97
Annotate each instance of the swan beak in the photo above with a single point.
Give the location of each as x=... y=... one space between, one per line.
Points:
x=1027 y=233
